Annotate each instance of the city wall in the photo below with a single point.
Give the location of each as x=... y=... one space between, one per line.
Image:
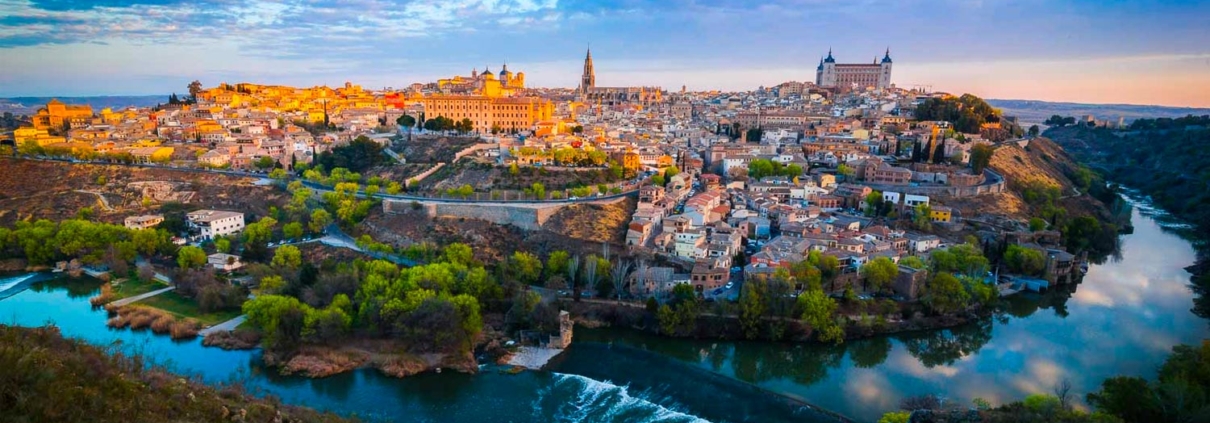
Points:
x=522 y=216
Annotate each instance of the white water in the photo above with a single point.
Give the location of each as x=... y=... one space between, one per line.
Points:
x=584 y=400
x=7 y=283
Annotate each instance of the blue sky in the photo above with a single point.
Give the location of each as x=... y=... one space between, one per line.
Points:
x=1119 y=51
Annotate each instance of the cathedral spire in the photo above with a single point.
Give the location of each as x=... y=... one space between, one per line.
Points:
x=588 y=79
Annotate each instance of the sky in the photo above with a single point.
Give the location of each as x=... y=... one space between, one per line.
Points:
x=1091 y=51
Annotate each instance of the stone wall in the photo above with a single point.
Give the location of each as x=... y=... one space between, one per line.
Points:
x=425 y=174
x=472 y=149
x=524 y=217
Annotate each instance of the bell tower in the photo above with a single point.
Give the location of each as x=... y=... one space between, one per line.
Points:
x=589 y=79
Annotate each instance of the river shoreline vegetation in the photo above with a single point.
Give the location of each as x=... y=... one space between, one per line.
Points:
x=49 y=378
x=1166 y=160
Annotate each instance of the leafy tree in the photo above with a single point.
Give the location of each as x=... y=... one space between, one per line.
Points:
x=320 y=219
x=194 y=87
x=965 y=259
x=406 y=121
x=360 y=154
x=1037 y=224
x=945 y=294
x=287 y=256
x=459 y=253
x=280 y=319
x=1034 y=130
x=222 y=245
x=190 y=257
x=921 y=217
x=292 y=230
x=912 y=262
x=658 y=179
x=819 y=311
x=873 y=203
x=1026 y=261
x=981 y=157
x=896 y=417
x=539 y=190
x=265 y=162
x=557 y=263
x=879 y=273
x=524 y=267
x=751 y=309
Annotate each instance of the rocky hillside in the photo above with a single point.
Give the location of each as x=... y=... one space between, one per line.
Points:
x=593 y=222
x=1042 y=161
x=52 y=190
x=1034 y=172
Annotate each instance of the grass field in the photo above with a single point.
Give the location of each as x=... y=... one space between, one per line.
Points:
x=132 y=287
x=183 y=307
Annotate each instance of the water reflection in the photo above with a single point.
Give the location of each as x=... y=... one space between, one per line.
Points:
x=943 y=347
x=1122 y=319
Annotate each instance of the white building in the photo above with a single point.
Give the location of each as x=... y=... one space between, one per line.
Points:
x=215 y=223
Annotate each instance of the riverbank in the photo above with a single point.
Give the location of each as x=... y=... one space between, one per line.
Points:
x=728 y=328
x=320 y=361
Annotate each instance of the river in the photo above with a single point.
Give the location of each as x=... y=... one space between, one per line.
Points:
x=1123 y=319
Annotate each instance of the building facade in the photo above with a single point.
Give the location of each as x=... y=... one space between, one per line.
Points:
x=490 y=114
x=215 y=223
x=848 y=76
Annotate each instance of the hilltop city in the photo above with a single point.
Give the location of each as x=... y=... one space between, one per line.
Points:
x=730 y=186
x=477 y=219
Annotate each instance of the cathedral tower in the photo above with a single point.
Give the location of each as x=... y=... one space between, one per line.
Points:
x=589 y=79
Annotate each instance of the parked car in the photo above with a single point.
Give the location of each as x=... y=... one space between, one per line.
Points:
x=730 y=285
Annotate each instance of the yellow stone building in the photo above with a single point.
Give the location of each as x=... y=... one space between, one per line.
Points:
x=489 y=84
x=56 y=114
x=39 y=136
x=501 y=113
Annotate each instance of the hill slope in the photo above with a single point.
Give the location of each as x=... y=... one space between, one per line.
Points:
x=51 y=379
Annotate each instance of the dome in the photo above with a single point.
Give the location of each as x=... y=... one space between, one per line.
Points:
x=487 y=73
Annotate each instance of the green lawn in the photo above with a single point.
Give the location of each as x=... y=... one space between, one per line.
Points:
x=132 y=287
x=183 y=307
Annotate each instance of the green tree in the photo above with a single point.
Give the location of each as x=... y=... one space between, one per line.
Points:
x=190 y=257
x=1023 y=260
x=524 y=267
x=406 y=121
x=1037 y=224
x=921 y=217
x=879 y=273
x=280 y=319
x=981 y=157
x=459 y=253
x=945 y=294
x=819 y=311
x=896 y=417
x=539 y=190
x=751 y=309
x=320 y=219
x=912 y=262
x=292 y=230
x=557 y=263
x=287 y=256
x=265 y=162
x=844 y=170
x=873 y=203
x=222 y=245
